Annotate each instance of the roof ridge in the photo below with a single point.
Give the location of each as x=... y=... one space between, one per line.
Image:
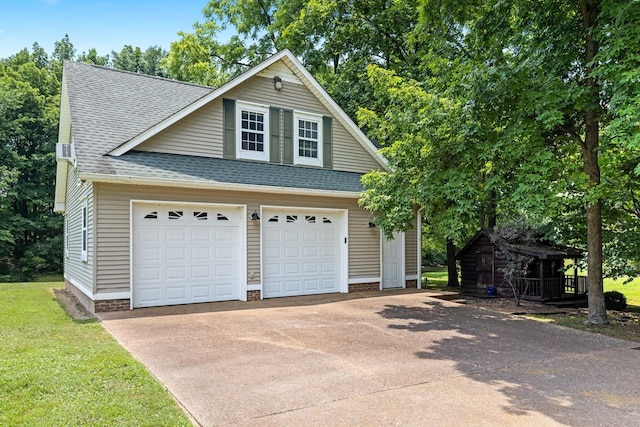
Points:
x=132 y=73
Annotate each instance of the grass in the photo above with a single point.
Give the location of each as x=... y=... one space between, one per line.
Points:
x=630 y=290
x=437 y=278
x=55 y=371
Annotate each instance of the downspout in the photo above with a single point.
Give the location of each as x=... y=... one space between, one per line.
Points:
x=419 y=231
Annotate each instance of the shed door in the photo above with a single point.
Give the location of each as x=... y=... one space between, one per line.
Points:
x=301 y=252
x=185 y=254
x=393 y=261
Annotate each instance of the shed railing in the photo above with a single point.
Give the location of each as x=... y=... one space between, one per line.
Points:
x=551 y=288
x=573 y=287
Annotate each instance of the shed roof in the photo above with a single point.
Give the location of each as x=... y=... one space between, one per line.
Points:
x=541 y=249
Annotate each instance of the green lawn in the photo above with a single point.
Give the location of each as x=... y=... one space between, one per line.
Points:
x=631 y=290
x=55 y=371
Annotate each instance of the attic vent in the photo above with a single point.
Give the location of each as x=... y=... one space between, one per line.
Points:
x=66 y=152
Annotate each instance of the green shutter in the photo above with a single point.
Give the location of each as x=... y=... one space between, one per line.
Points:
x=274 y=130
x=287 y=138
x=229 y=128
x=327 y=136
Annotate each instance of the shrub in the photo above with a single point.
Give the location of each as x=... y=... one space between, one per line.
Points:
x=614 y=300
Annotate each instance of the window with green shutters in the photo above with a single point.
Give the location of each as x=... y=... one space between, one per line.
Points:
x=258 y=132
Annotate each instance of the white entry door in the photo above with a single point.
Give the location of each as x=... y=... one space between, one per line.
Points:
x=301 y=252
x=186 y=253
x=393 y=261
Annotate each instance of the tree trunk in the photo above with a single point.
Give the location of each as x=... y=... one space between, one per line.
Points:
x=597 y=310
x=452 y=270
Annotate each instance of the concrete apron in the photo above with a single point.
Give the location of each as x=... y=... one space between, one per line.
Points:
x=393 y=358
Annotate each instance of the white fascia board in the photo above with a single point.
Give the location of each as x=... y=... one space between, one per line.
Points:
x=340 y=114
x=60 y=199
x=163 y=182
x=134 y=142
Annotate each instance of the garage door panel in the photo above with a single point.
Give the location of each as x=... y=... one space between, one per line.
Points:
x=201 y=292
x=301 y=252
x=184 y=254
x=150 y=274
x=175 y=235
x=200 y=272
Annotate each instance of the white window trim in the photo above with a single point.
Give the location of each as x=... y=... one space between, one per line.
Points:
x=248 y=154
x=84 y=230
x=301 y=160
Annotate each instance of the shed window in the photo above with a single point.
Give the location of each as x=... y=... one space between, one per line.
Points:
x=151 y=215
x=326 y=220
x=221 y=217
x=273 y=218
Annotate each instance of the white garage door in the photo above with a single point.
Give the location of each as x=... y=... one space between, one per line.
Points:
x=186 y=253
x=301 y=252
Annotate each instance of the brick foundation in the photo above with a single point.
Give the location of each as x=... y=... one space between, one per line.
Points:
x=97 y=306
x=411 y=284
x=253 y=295
x=364 y=287
x=107 y=305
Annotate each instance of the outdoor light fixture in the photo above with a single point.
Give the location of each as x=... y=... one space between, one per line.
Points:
x=371 y=225
x=255 y=216
x=277 y=83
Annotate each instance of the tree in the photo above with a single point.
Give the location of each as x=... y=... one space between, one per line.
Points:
x=29 y=231
x=558 y=73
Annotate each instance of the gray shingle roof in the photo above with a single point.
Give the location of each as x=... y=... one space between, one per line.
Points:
x=109 y=107
x=224 y=171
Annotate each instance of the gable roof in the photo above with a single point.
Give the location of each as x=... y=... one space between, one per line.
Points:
x=539 y=249
x=297 y=68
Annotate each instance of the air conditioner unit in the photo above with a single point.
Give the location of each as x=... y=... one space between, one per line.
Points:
x=66 y=152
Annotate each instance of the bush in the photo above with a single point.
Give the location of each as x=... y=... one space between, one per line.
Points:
x=614 y=300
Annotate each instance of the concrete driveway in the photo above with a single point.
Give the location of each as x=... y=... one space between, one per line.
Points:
x=380 y=359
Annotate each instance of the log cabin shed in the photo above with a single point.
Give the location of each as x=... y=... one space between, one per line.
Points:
x=482 y=262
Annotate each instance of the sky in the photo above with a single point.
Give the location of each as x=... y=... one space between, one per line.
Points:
x=105 y=25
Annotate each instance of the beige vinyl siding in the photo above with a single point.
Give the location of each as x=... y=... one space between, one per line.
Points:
x=79 y=272
x=200 y=134
x=112 y=261
x=411 y=251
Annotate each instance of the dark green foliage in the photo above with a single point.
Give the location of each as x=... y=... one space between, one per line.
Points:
x=614 y=300
x=31 y=241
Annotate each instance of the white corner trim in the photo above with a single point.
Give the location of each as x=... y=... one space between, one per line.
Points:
x=254 y=287
x=419 y=244
x=165 y=182
x=358 y=280
x=412 y=277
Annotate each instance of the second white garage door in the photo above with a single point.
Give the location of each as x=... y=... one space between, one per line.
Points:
x=301 y=252
x=186 y=253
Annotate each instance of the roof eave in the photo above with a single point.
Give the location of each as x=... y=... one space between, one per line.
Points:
x=214 y=185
